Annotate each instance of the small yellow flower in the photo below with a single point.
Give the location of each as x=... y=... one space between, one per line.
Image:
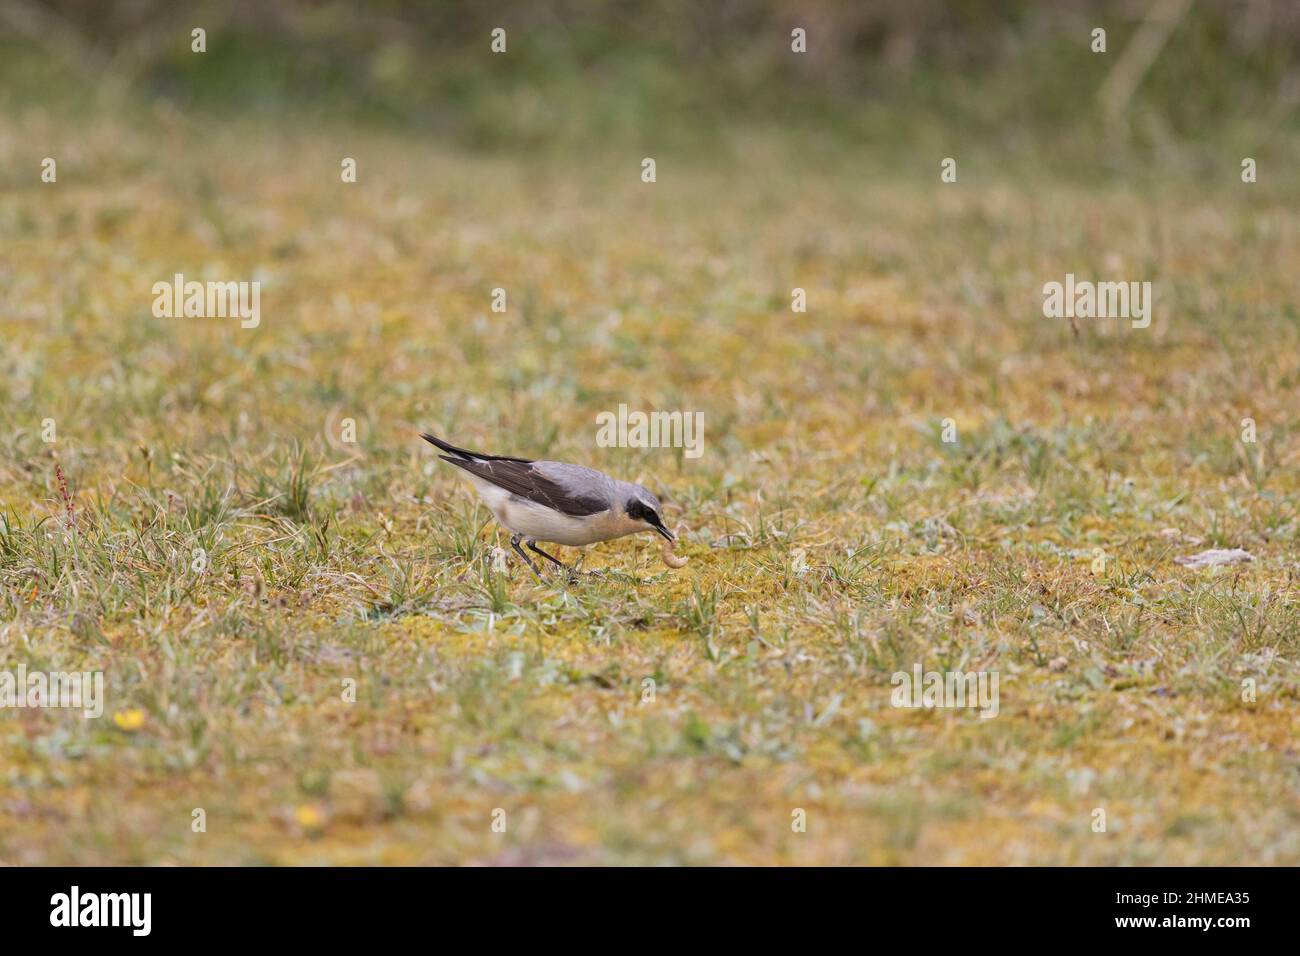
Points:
x=129 y=720
x=308 y=817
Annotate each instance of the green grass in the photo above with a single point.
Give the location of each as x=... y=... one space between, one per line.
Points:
x=477 y=689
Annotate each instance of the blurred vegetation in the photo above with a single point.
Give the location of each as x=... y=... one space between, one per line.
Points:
x=1018 y=78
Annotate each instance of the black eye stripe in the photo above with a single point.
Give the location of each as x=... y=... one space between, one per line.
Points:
x=642 y=512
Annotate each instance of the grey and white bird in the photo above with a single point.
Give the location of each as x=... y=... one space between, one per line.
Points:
x=556 y=502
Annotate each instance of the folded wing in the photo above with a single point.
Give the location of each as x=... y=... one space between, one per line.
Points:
x=528 y=480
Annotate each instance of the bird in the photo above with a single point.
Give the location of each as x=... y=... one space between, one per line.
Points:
x=555 y=502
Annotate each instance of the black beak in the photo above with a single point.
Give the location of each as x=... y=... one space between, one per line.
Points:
x=665 y=532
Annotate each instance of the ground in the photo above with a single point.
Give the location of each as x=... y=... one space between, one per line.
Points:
x=346 y=674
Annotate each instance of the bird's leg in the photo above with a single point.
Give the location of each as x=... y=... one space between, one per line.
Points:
x=514 y=543
x=532 y=546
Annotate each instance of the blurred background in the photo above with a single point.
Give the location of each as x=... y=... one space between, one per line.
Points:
x=883 y=78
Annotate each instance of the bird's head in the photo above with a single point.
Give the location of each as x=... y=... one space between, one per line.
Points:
x=643 y=508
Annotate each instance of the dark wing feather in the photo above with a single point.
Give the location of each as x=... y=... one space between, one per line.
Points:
x=520 y=478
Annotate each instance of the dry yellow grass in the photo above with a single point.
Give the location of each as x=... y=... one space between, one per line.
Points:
x=478 y=691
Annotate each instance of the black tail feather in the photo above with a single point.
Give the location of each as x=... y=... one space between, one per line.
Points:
x=465 y=453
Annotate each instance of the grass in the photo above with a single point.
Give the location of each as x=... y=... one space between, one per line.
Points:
x=315 y=641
